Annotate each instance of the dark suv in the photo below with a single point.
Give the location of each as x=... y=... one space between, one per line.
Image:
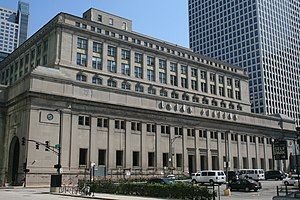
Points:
x=274 y=174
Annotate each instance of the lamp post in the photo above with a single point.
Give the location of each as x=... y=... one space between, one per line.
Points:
x=171 y=152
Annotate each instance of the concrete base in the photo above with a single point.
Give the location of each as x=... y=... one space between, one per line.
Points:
x=54 y=189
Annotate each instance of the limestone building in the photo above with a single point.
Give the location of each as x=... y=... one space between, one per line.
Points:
x=123 y=100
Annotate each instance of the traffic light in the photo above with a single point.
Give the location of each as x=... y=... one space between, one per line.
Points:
x=23 y=141
x=37 y=146
x=47 y=145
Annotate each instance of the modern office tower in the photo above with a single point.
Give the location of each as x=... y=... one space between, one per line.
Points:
x=261 y=36
x=129 y=103
x=13 y=28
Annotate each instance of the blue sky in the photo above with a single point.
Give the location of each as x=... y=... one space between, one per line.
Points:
x=162 y=19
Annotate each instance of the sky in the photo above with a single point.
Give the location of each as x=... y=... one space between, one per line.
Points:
x=163 y=19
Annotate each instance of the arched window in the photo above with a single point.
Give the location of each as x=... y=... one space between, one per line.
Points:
x=81 y=77
x=151 y=90
x=163 y=93
x=111 y=83
x=205 y=101
x=195 y=99
x=139 y=88
x=231 y=106
x=174 y=95
x=97 y=80
x=223 y=105
x=214 y=103
x=125 y=85
x=185 y=97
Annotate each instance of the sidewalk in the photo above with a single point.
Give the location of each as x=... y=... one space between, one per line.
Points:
x=103 y=196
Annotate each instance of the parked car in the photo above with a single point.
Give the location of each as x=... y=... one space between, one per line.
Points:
x=255 y=174
x=165 y=181
x=232 y=176
x=293 y=180
x=244 y=184
x=275 y=174
x=209 y=176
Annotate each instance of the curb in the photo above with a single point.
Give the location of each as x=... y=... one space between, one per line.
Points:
x=81 y=196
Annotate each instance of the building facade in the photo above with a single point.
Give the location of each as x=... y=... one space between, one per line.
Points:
x=14 y=28
x=262 y=37
x=126 y=102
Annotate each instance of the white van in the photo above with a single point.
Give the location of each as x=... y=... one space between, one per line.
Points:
x=255 y=174
x=209 y=176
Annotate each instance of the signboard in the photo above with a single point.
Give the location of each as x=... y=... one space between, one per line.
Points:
x=280 y=150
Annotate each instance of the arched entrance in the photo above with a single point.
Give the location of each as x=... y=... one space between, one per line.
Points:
x=13 y=165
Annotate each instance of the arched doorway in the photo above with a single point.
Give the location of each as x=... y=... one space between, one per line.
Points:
x=13 y=165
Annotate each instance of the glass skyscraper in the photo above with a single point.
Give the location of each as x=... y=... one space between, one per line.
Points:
x=13 y=28
x=263 y=37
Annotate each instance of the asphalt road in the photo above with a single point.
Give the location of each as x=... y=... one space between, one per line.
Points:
x=266 y=193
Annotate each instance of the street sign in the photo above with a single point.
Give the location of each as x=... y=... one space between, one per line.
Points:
x=57 y=146
x=280 y=150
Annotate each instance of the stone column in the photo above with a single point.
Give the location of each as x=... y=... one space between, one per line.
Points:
x=144 y=66
x=119 y=60
x=209 y=164
x=256 y=152
x=168 y=72
x=220 y=151
x=128 y=153
x=230 y=158
x=197 y=147
x=110 y=154
x=239 y=155
x=178 y=74
x=89 y=53
x=248 y=150
x=157 y=148
x=144 y=154
x=104 y=57
x=265 y=155
x=156 y=69
x=131 y=63
x=184 y=152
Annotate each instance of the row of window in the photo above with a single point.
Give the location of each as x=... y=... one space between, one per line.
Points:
x=125 y=85
x=166 y=129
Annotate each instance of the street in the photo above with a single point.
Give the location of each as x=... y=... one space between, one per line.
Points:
x=266 y=193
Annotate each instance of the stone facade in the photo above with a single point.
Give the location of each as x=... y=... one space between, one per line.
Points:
x=125 y=101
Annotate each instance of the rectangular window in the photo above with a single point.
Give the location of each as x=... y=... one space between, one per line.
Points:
x=221 y=79
x=138 y=72
x=111 y=66
x=125 y=68
x=151 y=159
x=120 y=124
x=135 y=159
x=162 y=64
x=184 y=83
x=162 y=77
x=111 y=51
x=125 y=54
x=97 y=47
x=83 y=156
x=101 y=157
x=83 y=120
x=194 y=84
x=81 y=43
x=119 y=158
x=203 y=74
x=183 y=69
x=81 y=59
x=173 y=80
x=165 y=159
x=102 y=122
x=150 y=75
x=97 y=63
x=150 y=61
x=138 y=58
x=173 y=67
x=178 y=160
x=194 y=72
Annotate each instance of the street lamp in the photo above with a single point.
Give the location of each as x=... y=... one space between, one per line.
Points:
x=171 y=152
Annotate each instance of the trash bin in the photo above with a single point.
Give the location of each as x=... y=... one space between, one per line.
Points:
x=55 y=183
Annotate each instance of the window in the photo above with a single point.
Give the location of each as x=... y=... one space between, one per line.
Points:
x=223 y=105
x=101 y=157
x=151 y=159
x=125 y=85
x=194 y=84
x=162 y=64
x=238 y=95
x=204 y=101
x=165 y=160
x=150 y=75
x=81 y=43
x=178 y=160
x=136 y=126
x=138 y=57
x=183 y=69
x=163 y=93
x=212 y=77
x=111 y=66
x=124 y=26
x=97 y=80
x=164 y=129
x=97 y=63
x=214 y=103
x=185 y=97
x=81 y=59
x=173 y=80
x=195 y=99
x=150 y=61
x=139 y=88
x=203 y=74
x=125 y=54
x=100 y=18
x=229 y=82
x=135 y=159
x=174 y=95
x=111 y=21
x=173 y=67
x=184 y=83
x=203 y=87
x=81 y=77
x=221 y=79
x=213 y=89
x=111 y=83
x=221 y=91
x=83 y=156
x=97 y=47
x=162 y=77
x=151 y=128
x=120 y=124
x=151 y=90
x=237 y=83
x=138 y=72
x=119 y=158
x=125 y=68
x=111 y=51
x=194 y=72
x=230 y=93
x=102 y=122
x=84 y=120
